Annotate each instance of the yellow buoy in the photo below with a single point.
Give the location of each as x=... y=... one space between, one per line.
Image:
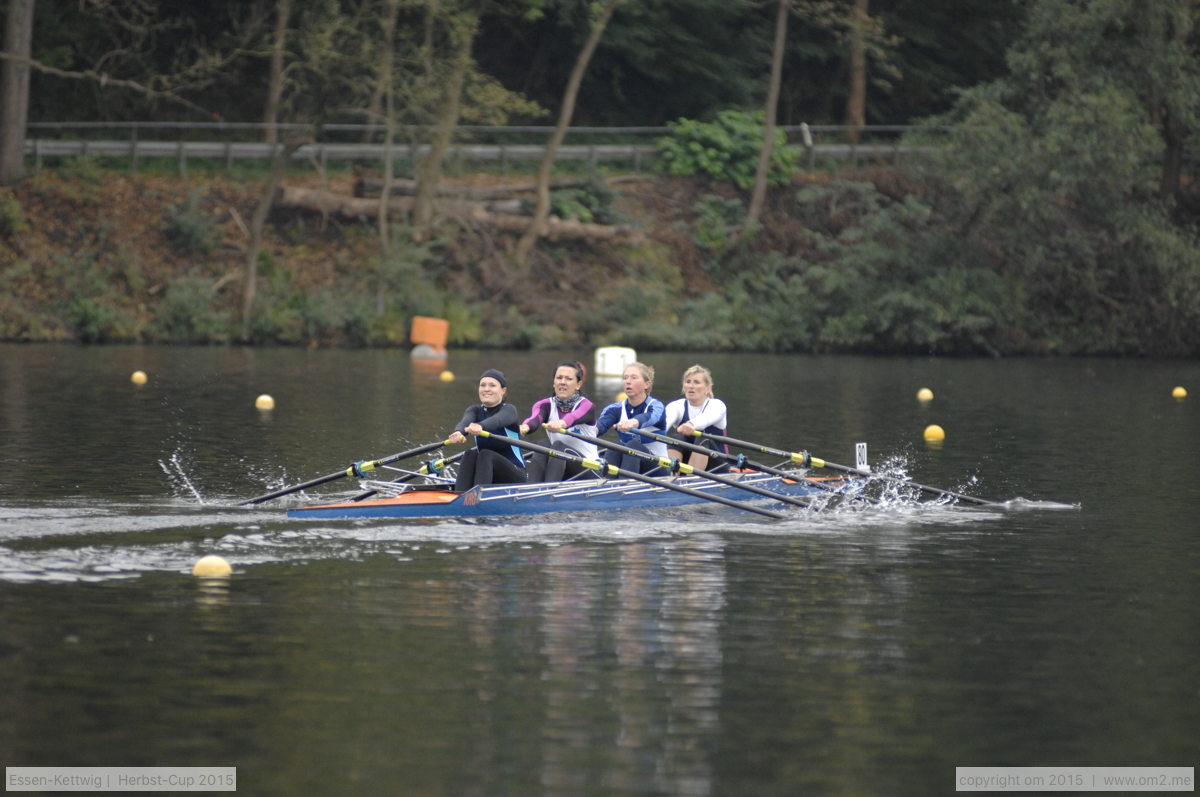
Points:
x=934 y=432
x=924 y=394
x=138 y=377
x=446 y=376
x=264 y=402
x=1179 y=392
x=212 y=566
x=621 y=397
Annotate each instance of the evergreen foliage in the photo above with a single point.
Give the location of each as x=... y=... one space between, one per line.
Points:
x=725 y=150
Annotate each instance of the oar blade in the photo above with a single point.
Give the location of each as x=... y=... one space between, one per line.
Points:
x=357 y=468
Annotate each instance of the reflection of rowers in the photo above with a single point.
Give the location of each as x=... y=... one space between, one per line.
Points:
x=698 y=411
x=492 y=461
x=639 y=410
x=567 y=409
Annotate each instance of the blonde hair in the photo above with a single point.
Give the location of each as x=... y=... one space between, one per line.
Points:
x=701 y=371
x=647 y=371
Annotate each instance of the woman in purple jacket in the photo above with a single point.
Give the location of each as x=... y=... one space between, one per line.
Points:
x=566 y=409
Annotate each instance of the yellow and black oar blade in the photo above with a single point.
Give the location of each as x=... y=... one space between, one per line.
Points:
x=612 y=470
x=802 y=457
x=357 y=469
x=429 y=467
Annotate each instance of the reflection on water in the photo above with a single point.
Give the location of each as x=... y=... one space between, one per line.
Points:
x=865 y=650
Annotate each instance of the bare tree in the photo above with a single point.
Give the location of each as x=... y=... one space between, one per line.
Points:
x=463 y=27
x=537 y=227
x=283 y=13
x=759 y=194
x=258 y=222
x=856 y=102
x=14 y=89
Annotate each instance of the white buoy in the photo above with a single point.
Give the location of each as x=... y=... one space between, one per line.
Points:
x=924 y=394
x=264 y=402
x=138 y=377
x=611 y=361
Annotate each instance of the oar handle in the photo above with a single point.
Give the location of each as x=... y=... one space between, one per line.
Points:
x=675 y=466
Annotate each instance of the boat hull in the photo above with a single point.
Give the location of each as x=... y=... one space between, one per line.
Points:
x=574 y=496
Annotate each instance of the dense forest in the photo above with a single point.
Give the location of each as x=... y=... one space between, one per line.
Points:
x=1046 y=203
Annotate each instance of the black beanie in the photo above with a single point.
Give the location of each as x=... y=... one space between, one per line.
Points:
x=494 y=374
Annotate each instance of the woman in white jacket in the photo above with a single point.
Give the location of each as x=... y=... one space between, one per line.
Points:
x=698 y=411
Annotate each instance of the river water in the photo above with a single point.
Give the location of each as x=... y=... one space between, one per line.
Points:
x=861 y=651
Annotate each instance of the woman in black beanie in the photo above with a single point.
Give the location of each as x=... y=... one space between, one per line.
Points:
x=493 y=461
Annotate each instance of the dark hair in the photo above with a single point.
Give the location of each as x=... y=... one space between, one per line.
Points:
x=580 y=371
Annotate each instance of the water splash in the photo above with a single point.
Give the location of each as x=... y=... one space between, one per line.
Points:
x=177 y=475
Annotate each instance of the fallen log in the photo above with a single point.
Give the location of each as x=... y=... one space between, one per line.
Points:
x=328 y=203
x=373 y=187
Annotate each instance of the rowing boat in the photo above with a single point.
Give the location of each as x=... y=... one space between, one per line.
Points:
x=580 y=495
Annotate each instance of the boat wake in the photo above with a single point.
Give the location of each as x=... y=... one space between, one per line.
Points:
x=97 y=540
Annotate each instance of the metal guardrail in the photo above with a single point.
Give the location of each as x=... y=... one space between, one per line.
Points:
x=637 y=154
x=323 y=153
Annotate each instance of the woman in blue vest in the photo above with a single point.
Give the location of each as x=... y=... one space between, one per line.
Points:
x=492 y=461
x=639 y=410
x=698 y=411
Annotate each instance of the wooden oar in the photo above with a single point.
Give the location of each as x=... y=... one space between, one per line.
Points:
x=804 y=459
x=357 y=469
x=674 y=466
x=712 y=452
x=434 y=466
x=612 y=470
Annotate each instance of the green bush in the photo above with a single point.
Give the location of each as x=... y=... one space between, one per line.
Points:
x=95 y=321
x=12 y=215
x=726 y=150
x=189 y=229
x=592 y=203
x=717 y=222
x=188 y=313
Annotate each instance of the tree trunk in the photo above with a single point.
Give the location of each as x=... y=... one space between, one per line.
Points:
x=856 y=103
x=279 y=162
x=382 y=221
x=429 y=174
x=759 y=195
x=14 y=90
x=1173 y=131
x=537 y=227
x=283 y=13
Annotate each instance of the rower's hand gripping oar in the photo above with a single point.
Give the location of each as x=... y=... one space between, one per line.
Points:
x=357 y=469
x=612 y=470
x=675 y=466
x=804 y=459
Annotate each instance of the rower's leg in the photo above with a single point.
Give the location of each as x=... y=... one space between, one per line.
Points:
x=466 y=471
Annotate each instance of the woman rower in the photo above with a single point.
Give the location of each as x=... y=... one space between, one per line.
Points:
x=566 y=409
x=639 y=410
x=492 y=461
x=698 y=411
